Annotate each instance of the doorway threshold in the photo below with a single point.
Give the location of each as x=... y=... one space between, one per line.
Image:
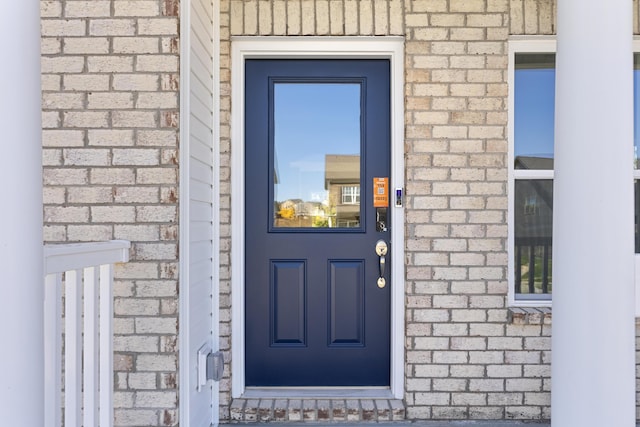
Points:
x=317 y=392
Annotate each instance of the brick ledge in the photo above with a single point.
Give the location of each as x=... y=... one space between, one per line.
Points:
x=313 y=410
x=530 y=315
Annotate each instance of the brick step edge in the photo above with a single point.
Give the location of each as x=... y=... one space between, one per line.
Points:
x=313 y=410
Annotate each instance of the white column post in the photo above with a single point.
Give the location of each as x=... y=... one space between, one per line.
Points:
x=593 y=344
x=21 y=251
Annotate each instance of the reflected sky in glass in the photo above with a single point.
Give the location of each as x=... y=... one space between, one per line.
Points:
x=636 y=107
x=310 y=121
x=534 y=98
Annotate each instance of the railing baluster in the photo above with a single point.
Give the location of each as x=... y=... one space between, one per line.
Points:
x=518 y=269
x=532 y=269
x=52 y=350
x=90 y=349
x=530 y=254
x=88 y=334
x=73 y=349
x=106 y=350
x=545 y=270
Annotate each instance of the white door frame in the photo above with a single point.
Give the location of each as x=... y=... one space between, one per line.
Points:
x=242 y=48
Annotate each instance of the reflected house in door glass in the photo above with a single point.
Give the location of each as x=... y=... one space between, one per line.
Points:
x=342 y=182
x=296 y=212
x=338 y=208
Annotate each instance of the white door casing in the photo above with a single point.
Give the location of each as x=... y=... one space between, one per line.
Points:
x=391 y=48
x=199 y=207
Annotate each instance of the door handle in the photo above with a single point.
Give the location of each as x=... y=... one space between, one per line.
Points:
x=381 y=251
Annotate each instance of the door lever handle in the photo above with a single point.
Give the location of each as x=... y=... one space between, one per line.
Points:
x=381 y=251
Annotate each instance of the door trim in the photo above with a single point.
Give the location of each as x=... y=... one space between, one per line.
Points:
x=243 y=48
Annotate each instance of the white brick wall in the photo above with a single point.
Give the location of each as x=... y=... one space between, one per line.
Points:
x=110 y=116
x=110 y=107
x=455 y=122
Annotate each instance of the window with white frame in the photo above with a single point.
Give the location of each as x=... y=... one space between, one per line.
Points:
x=531 y=171
x=531 y=142
x=350 y=195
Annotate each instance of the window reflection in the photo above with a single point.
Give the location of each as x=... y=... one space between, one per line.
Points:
x=350 y=195
x=533 y=226
x=316 y=155
x=636 y=144
x=636 y=213
x=636 y=108
x=534 y=98
x=534 y=105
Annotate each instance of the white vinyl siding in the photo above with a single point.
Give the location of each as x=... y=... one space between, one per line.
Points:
x=199 y=191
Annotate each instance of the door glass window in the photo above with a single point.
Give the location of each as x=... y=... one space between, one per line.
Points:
x=316 y=155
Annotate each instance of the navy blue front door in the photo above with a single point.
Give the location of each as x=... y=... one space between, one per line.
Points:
x=317 y=136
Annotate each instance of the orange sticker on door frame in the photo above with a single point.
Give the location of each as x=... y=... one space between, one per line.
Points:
x=380 y=192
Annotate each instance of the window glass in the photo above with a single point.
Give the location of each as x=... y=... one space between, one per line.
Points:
x=534 y=105
x=636 y=190
x=316 y=155
x=636 y=144
x=636 y=109
x=350 y=195
x=533 y=213
x=534 y=97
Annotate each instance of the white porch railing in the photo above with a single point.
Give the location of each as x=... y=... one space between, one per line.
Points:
x=85 y=270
